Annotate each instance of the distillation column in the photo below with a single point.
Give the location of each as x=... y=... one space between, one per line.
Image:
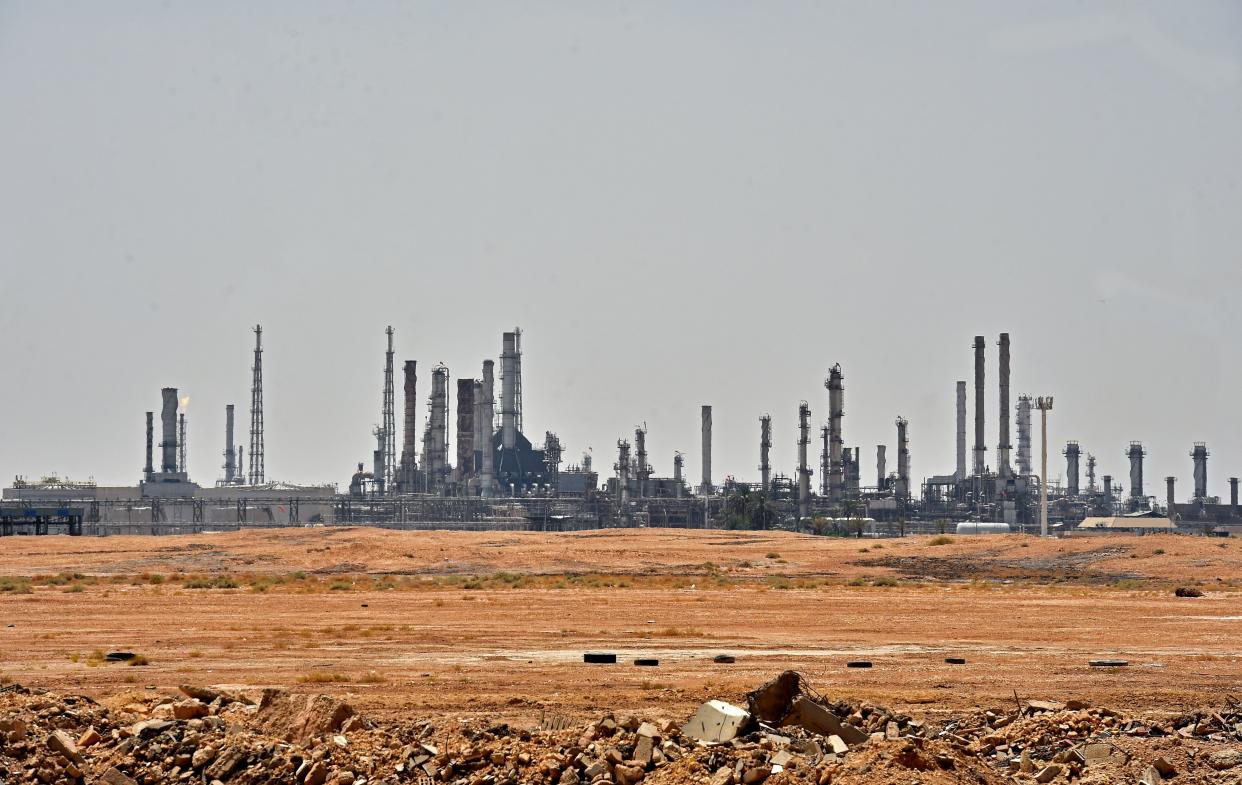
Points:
x=836 y=411
x=961 y=431
x=149 y=469
x=1003 y=447
x=1071 y=453
x=1170 y=501
x=487 y=424
x=903 y=458
x=464 y=470
x=168 y=424
x=508 y=391
x=804 y=471
x=1024 y=435
x=1200 y=456
x=881 y=467
x=230 y=455
x=765 y=447
x=1135 y=453
x=640 y=452
x=623 y=471
x=980 y=448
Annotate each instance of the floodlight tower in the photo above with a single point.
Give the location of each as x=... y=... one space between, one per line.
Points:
x=1044 y=405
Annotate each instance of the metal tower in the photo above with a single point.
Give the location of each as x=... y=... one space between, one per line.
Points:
x=181 y=442
x=389 y=418
x=256 y=411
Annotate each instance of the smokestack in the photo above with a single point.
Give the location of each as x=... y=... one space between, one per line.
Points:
x=804 y=472
x=149 y=469
x=980 y=448
x=903 y=457
x=881 y=466
x=241 y=480
x=1002 y=449
x=836 y=410
x=168 y=422
x=1135 y=453
x=230 y=468
x=1071 y=453
x=487 y=425
x=409 y=433
x=1170 y=500
x=679 y=462
x=765 y=447
x=623 y=471
x=1233 y=497
x=706 y=489
x=508 y=391
x=1200 y=456
x=377 y=461
x=961 y=431
x=464 y=469
x=476 y=460
x=1108 y=487
x=640 y=447
x=437 y=431
x=1024 y=435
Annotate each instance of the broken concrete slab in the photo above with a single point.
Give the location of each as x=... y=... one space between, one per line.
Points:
x=716 y=722
x=817 y=719
x=1108 y=663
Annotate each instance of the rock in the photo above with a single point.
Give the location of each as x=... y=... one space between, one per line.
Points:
x=114 y=776
x=1151 y=777
x=1164 y=767
x=838 y=744
x=723 y=776
x=298 y=718
x=1024 y=763
x=648 y=730
x=1045 y=705
x=13 y=729
x=642 y=751
x=781 y=758
x=1225 y=759
x=317 y=774
x=224 y=765
x=62 y=744
x=89 y=737
x=1048 y=773
x=756 y=775
x=191 y=709
x=202 y=756
x=1096 y=752
x=628 y=775
x=716 y=721
x=570 y=777
x=149 y=728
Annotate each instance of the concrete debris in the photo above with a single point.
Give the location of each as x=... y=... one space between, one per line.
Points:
x=1042 y=742
x=716 y=721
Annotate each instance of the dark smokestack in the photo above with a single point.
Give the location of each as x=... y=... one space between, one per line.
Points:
x=980 y=449
x=149 y=469
x=464 y=469
x=230 y=468
x=1002 y=449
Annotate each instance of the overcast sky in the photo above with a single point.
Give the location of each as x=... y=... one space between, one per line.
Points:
x=679 y=203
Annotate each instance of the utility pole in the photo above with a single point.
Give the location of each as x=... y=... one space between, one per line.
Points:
x=1044 y=405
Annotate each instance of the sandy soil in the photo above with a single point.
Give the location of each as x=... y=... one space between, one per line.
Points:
x=1027 y=614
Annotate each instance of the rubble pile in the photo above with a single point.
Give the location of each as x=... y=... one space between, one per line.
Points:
x=786 y=733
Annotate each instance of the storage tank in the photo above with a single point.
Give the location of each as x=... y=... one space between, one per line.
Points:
x=983 y=527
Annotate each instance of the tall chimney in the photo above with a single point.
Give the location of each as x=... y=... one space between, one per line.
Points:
x=508 y=391
x=168 y=422
x=464 y=469
x=487 y=425
x=1233 y=497
x=980 y=448
x=881 y=466
x=1135 y=453
x=903 y=457
x=1108 y=487
x=437 y=427
x=1002 y=449
x=230 y=454
x=149 y=469
x=836 y=411
x=1170 y=500
x=476 y=460
x=679 y=462
x=961 y=431
x=804 y=471
x=1200 y=456
x=765 y=447
x=706 y=489
x=1024 y=435
x=1071 y=453
x=409 y=432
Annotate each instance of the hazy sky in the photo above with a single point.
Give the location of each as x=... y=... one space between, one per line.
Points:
x=679 y=203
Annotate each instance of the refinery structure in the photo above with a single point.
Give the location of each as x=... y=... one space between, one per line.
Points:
x=463 y=457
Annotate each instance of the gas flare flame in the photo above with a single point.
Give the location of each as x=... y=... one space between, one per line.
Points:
x=185 y=403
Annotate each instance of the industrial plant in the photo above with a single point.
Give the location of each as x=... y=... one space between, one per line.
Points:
x=462 y=460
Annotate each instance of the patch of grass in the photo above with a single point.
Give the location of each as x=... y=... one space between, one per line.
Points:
x=216 y=582
x=195 y=654
x=138 y=659
x=859 y=580
x=322 y=677
x=1158 y=552
x=884 y=581
x=1128 y=584
x=340 y=586
x=773 y=555
x=940 y=539
x=73 y=588
x=15 y=586
x=371 y=677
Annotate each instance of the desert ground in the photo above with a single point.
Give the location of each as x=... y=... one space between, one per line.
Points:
x=495 y=624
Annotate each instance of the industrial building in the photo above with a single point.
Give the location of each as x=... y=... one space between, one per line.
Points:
x=470 y=463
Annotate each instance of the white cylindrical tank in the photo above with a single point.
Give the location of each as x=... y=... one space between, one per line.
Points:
x=983 y=527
